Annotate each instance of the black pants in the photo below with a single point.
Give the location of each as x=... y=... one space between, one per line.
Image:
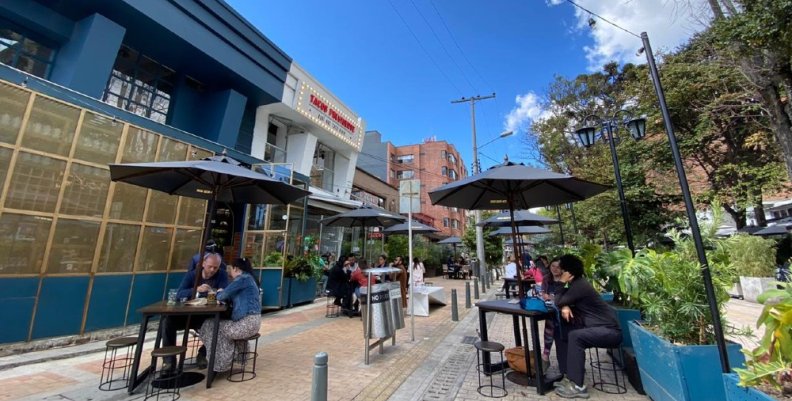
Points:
x=507 y=287
x=571 y=350
x=171 y=324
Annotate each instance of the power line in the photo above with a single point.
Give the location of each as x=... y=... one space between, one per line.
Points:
x=423 y=48
x=443 y=47
x=591 y=22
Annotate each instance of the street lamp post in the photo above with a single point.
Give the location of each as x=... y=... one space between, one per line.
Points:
x=587 y=136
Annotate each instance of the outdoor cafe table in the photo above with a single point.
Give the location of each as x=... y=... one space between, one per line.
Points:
x=517 y=313
x=180 y=309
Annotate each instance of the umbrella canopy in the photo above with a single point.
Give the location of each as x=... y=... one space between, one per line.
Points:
x=451 y=240
x=417 y=227
x=214 y=178
x=514 y=186
x=520 y=231
x=772 y=230
x=364 y=216
x=521 y=218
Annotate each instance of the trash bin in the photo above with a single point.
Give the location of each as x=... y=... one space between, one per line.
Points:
x=381 y=319
x=397 y=313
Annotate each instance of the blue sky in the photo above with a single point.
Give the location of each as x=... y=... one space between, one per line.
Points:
x=400 y=63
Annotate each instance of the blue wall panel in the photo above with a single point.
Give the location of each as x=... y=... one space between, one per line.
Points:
x=17 y=300
x=270 y=283
x=174 y=280
x=108 y=303
x=60 y=306
x=146 y=289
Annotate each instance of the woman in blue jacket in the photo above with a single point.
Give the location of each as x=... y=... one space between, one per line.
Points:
x=243 y=297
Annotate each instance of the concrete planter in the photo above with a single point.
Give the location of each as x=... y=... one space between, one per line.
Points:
x=737 y=393
x=752 y=287
x=672 y=372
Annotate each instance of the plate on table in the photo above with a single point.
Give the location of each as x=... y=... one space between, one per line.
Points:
x=196 y=302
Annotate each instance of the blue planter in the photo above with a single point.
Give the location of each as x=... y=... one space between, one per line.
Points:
x=674 y=373
x=625 y=316
x=300 y=292
x=737 y=393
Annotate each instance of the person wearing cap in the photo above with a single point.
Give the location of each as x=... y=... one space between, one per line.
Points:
x=211 y=247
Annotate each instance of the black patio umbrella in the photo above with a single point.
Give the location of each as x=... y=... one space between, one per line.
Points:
x=772 y=230
x=453 y=241
x=216 y=178
x=514 y=186
x=364 y=216
x=523 y=230
x=521 y=218
x=417 y=227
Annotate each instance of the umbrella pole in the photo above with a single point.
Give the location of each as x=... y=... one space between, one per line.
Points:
x=517 y=250
x=210 y=207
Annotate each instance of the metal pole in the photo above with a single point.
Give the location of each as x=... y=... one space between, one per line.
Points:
x=467 y=295
x=617 y=172
x=475 y=288
x=574 y=221
x=410 y=266
x=691 y=211
x=476 y=170
x=454 y=308
x=319 y=383
x=560 y=227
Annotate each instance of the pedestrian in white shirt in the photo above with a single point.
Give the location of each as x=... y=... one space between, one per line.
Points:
x=510 y=273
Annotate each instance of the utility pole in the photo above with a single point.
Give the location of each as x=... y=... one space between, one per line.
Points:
x=476 y=170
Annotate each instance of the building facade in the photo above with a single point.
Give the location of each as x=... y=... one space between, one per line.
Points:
x=433 y=162
x=87 y=83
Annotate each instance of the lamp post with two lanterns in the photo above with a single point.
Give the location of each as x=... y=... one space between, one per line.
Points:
x=588 y=135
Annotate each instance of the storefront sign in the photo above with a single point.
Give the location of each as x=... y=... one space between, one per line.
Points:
x=331 y=116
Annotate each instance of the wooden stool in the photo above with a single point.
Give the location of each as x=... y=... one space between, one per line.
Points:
x=165 y=382
x=111 y=379
x=495 y=391
x=331 y=309
x=610 y=382
x=243 y=359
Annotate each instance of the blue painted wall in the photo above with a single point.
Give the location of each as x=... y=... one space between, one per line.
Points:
x=17 y=299
x=146 y=289
x=60 y=306
x=271 y=283
x=108 y=304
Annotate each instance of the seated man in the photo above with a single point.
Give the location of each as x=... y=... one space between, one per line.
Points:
x=211 y=247
x=210 y=279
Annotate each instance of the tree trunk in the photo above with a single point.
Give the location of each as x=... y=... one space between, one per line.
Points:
x=738 y=215
x=759 y=213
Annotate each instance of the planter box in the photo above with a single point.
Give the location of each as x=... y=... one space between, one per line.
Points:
x=737 y=393
x=625 y=316
x=752 y=287
x=736 y=291
x=300 y=292
x=674 y=373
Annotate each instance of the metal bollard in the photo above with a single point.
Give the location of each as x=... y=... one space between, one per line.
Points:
x=483 y=288
x=454 y=308
x=475 y=285
x=319 y=383
x=467 y=295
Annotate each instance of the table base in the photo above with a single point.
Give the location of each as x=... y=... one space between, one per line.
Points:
x=522 y=379
x=186 y=379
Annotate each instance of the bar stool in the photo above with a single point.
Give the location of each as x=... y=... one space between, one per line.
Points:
x=241 y=369
x=609 y=383
x=165 y=383
x=489 y=347
x=113 y=362
x=331 y=309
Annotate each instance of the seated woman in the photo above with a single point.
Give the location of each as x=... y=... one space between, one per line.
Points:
x=550 y=286
x=587 y=322
x=245 y=301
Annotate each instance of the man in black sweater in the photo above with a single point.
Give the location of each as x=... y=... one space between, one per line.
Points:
x=588 y=322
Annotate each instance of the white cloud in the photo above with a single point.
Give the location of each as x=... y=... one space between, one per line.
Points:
x=528 y=109
x=669 y=23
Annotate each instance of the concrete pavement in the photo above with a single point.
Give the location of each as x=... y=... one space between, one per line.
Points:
x=438 y=365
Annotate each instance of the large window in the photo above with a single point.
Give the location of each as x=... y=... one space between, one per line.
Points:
x=322 y=174
x=140 y=85
x=404 y=159
x=24 y=53
x=405 y=174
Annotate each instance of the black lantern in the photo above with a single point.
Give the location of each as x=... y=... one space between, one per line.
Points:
x=637 y=127
x=587 y=135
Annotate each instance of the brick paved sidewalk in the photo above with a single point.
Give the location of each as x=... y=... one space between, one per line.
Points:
x=436 y=366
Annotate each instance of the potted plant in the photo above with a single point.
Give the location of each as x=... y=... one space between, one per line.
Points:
x=754 y=258
x=768 y=371
x=299 y=280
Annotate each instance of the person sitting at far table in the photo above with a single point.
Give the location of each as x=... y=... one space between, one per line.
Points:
x=244 y=298
x=587 y=322
x=510 y=272
x=210 y=279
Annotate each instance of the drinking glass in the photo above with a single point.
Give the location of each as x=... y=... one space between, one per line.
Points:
x=172 y=296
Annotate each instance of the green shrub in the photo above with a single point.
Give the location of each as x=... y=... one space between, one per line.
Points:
x=752 y=255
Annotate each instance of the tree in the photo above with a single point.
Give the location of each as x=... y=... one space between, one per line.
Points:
x=493 y=246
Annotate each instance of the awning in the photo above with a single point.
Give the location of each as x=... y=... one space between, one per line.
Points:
x=322 y=199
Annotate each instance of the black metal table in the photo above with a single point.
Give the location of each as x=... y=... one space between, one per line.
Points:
x=163 y=309
x=517 y=313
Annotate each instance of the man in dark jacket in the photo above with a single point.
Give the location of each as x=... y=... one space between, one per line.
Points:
x=588 y=322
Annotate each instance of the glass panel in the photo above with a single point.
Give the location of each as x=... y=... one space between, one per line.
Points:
x=35 y=183
x=51 y=126
x=32 y=66
x=37 y=50
x=140 y=146
x=13 y=102
x=162 y=208
x=295 y=243
x=5 y=158
x=73 y=246
x=118 y=248
x=278 y=217
x=187 y=244
x=254 y=249
x=86 y=190
x=127 y=202
x=172 y=150
x=99 y=137
x=257 y=217
x=155 y=249
x=192 y=212
x=198 y=153
x=22 y=243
